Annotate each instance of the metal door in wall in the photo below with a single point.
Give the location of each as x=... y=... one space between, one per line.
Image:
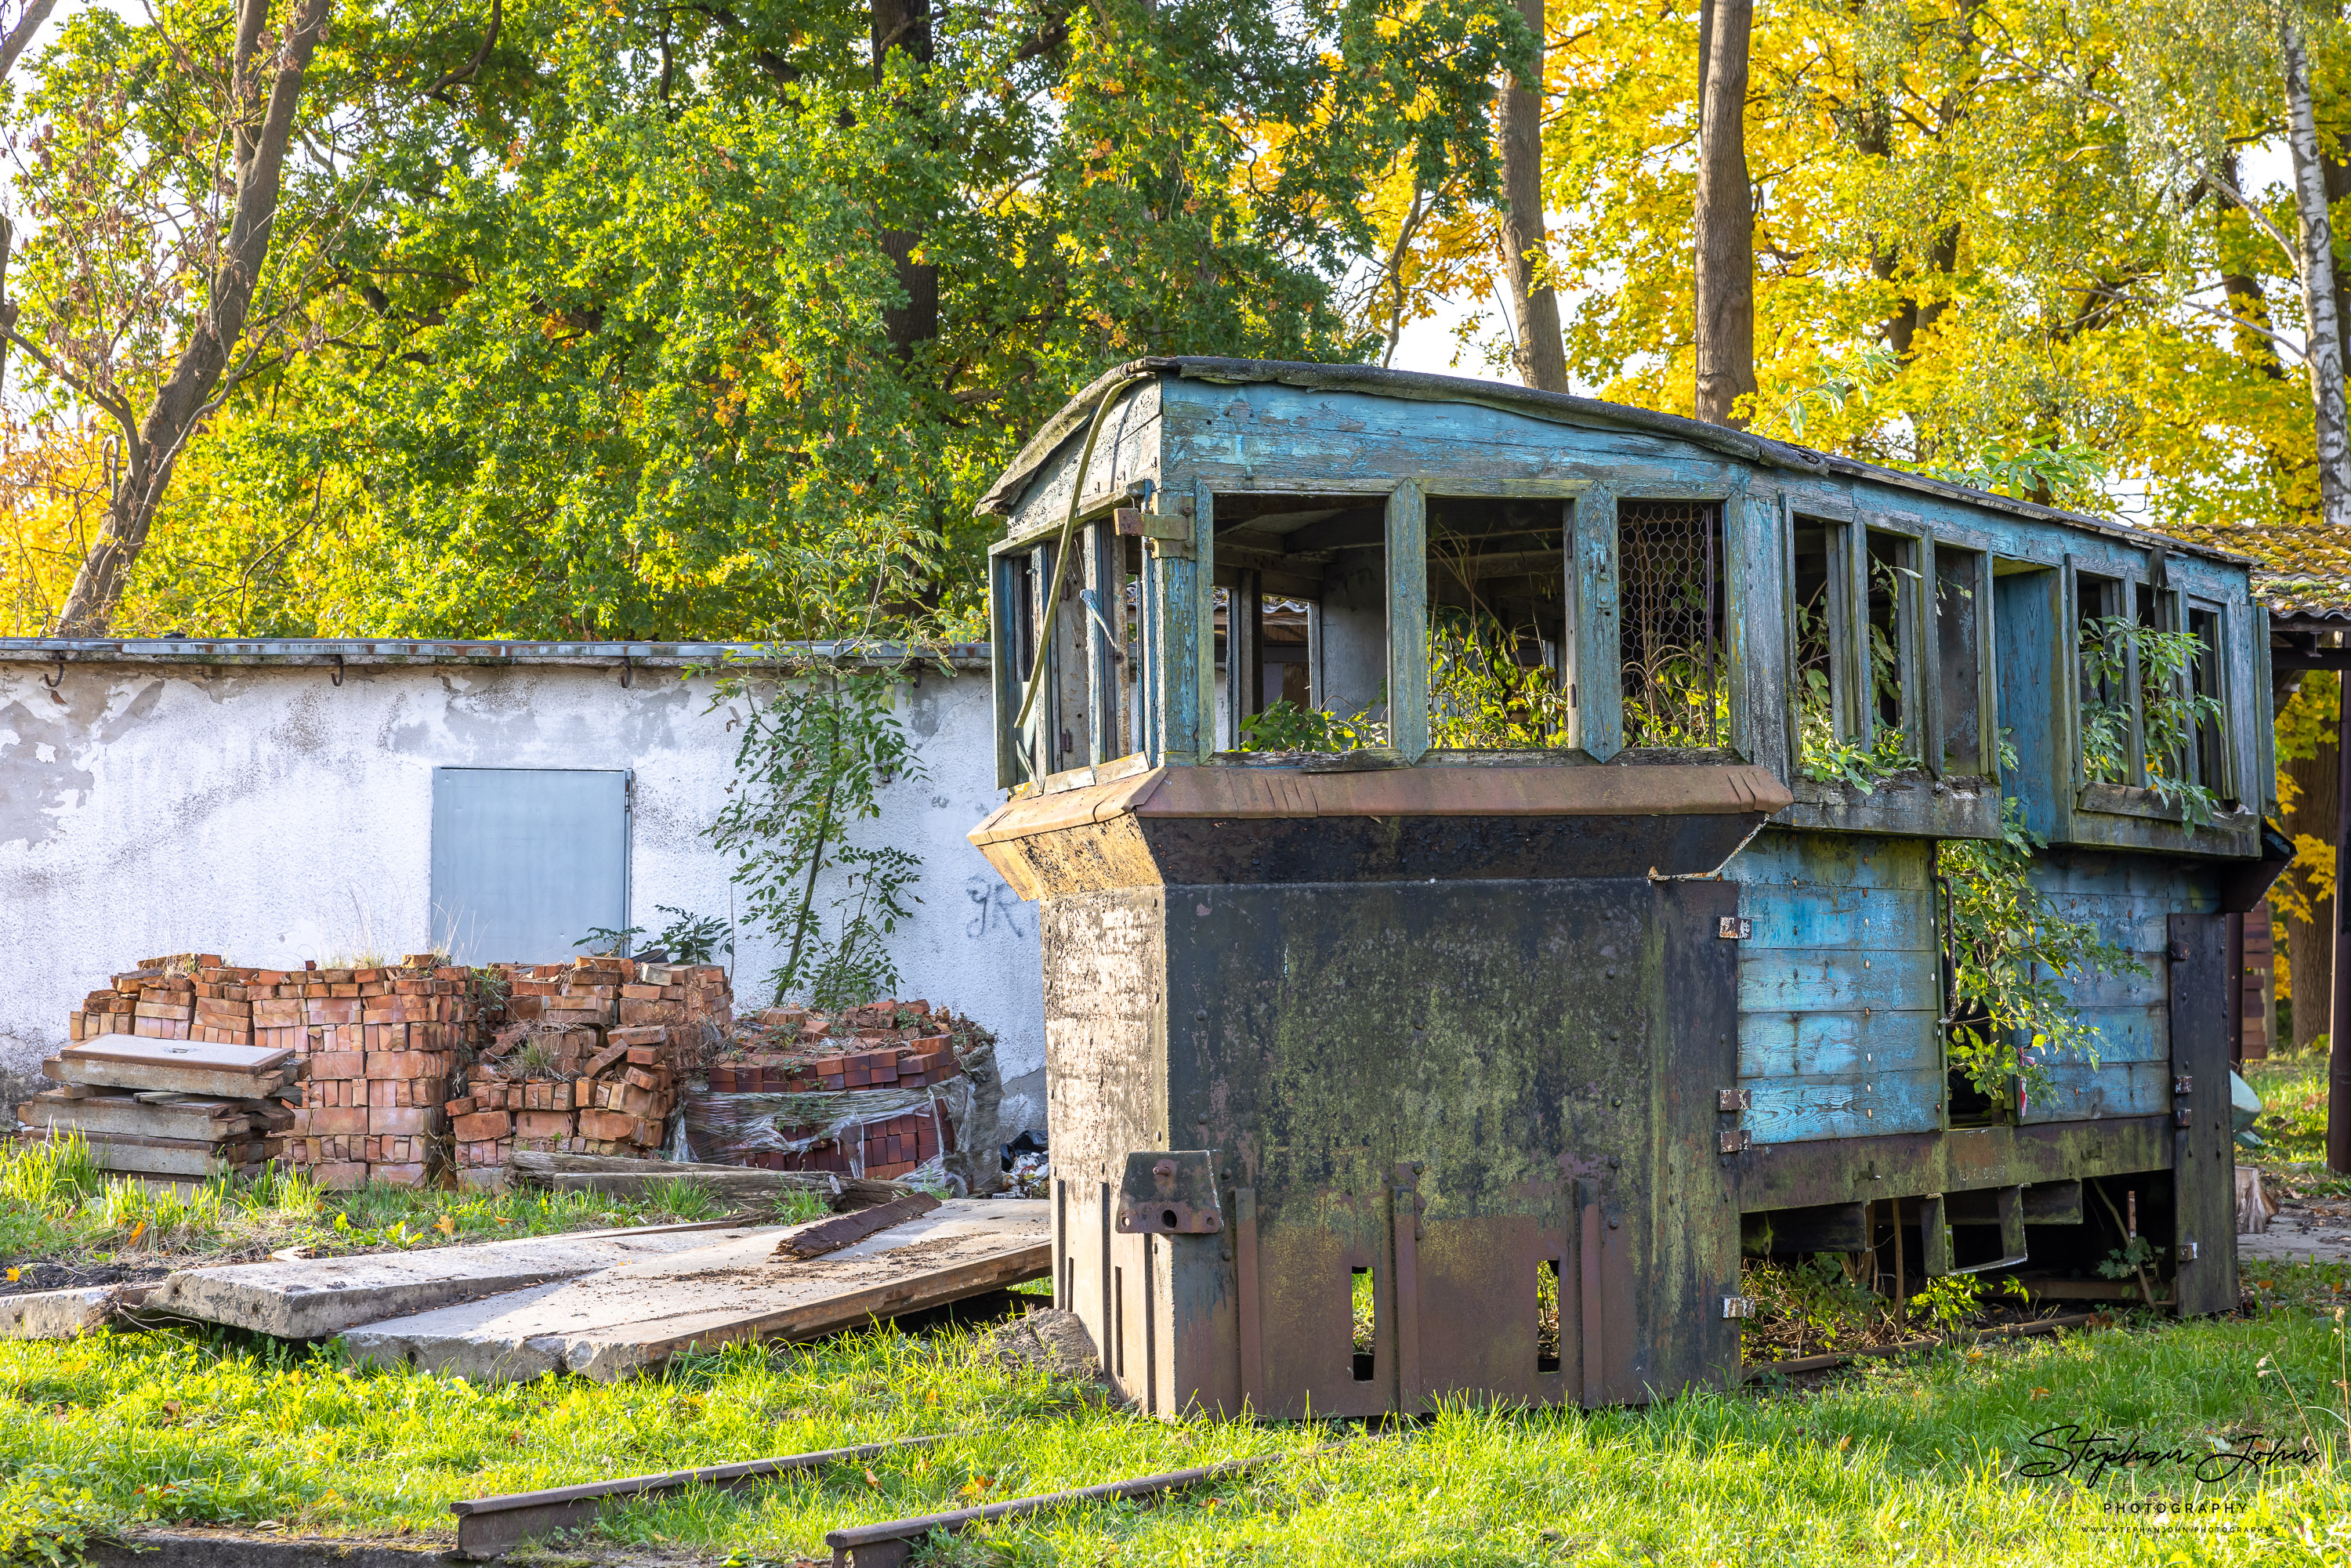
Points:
x=527 y=859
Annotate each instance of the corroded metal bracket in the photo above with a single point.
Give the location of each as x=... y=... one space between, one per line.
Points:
x=1170 y=1193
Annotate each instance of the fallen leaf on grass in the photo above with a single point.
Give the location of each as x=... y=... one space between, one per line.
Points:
x=2041 y=1394
x=873 y=1480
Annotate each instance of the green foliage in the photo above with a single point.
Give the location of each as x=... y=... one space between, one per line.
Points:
x=1483 y=694
x=819 y=743
x=43 y=1521
x=1283 y=725
x=2130 y=1259
x=601 y=336
x=1948 y=1300
x=1817 y=1296
x=2013 y=953
x=2170 y=710
x=691 y=938
x=1906 y=1459
x=1823 y=751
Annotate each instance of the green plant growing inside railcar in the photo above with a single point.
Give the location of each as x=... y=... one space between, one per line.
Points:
x=1482 y=694
x=1823 y=752
x=2012 y=953
x=2171 y=711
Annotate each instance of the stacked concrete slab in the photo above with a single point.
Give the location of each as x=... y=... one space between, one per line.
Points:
x=179 y=1111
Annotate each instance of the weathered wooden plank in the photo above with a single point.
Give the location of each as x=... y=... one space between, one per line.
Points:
x=1830 y=980
x=2080 y=1094
x=1758 y=641
x=1128 y=449
x=2132 y=1033
x=1792 y=1111
x=1779 y=857
x=2121 y=989
x=1822 y=916
x=1407 y=563
x=1196 y=589
x=1597 y=690
x=1836 y=1045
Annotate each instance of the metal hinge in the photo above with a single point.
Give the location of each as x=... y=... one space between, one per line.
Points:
x=1734 y=928
x=1738 y=1306
x=1734 y=1100
x=1737 y=1140
x=2188 y=1253
x=2182 y=1084
x=2183 y=1117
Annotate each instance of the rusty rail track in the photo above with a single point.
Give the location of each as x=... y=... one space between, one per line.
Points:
x=1912 y=1346
x=890 y=1543
x=493 y=1526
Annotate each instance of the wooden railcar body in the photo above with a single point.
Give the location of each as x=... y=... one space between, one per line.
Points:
x=1507 y=1045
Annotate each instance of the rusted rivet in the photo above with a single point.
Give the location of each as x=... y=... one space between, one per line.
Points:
x=1165 y=1170
x=1200 y=1015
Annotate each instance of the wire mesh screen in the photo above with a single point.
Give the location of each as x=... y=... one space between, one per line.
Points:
x=1669 y=618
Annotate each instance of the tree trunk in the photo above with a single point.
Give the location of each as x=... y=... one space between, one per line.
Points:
x=2319 y=291
x=1541 y=353
x=2310 y=945
x=904 y=26
x=153 y=447
x=1726 y=217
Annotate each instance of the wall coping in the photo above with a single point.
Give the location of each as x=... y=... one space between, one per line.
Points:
x=364 y=653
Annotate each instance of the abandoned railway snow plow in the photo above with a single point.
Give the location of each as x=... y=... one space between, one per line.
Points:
x=1486 y=844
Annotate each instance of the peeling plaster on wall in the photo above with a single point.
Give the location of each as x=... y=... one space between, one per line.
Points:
x=264 y=814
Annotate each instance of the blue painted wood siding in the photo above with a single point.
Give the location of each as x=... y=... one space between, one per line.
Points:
x=2128 y=898
x=1838 y=983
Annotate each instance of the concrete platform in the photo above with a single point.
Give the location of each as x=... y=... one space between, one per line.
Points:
x=627 y=1319
x=316 y=1298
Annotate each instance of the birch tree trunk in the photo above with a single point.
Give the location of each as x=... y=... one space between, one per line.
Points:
x=152 y=445
x=1541 y=354
x=2319 y=296
x=1726 y=217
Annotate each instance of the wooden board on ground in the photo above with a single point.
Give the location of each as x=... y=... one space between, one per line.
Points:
x=165 y=1157
x=100 y=1075
x=614 y=1176
x=212 y=1121
x=629 y=1319
x=312 y=1298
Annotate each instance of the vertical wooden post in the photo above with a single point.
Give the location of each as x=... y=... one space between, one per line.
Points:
x=1244 y=650
x=1927 y=705
x=1204 y=611
x=1407 y=573
x=1597 y=674
x=1105 y=630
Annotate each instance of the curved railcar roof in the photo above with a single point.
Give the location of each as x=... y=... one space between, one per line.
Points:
x=1560 y=408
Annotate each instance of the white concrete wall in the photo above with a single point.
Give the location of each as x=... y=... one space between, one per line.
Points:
x=264 y=813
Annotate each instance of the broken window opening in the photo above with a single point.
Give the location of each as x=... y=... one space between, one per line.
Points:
x=1362 y=1319
x=1958 y=660
x=1819 y=684
x=1669 y=605
x=2209 y=756
x=1497 y=624
x=2104 y=636
x=1547 y=1315
x=1304 y=667
x=1890 y=707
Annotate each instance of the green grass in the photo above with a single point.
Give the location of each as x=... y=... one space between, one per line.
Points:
x=2293 y=1126
x=55 y=1205
x=1914 y=1462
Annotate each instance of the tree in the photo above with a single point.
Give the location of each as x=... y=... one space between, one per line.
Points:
x=1725 y=294
x=195 y=277
x=714 y=321
x=2314 y=255
x=1541 y=360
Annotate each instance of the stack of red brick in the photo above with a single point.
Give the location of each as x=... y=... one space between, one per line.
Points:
x=188 y=995
x=383 y=1045
x=589 y=1063
x=886 y=1046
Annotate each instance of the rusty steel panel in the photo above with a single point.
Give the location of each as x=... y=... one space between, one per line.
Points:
x=2203 y=1175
